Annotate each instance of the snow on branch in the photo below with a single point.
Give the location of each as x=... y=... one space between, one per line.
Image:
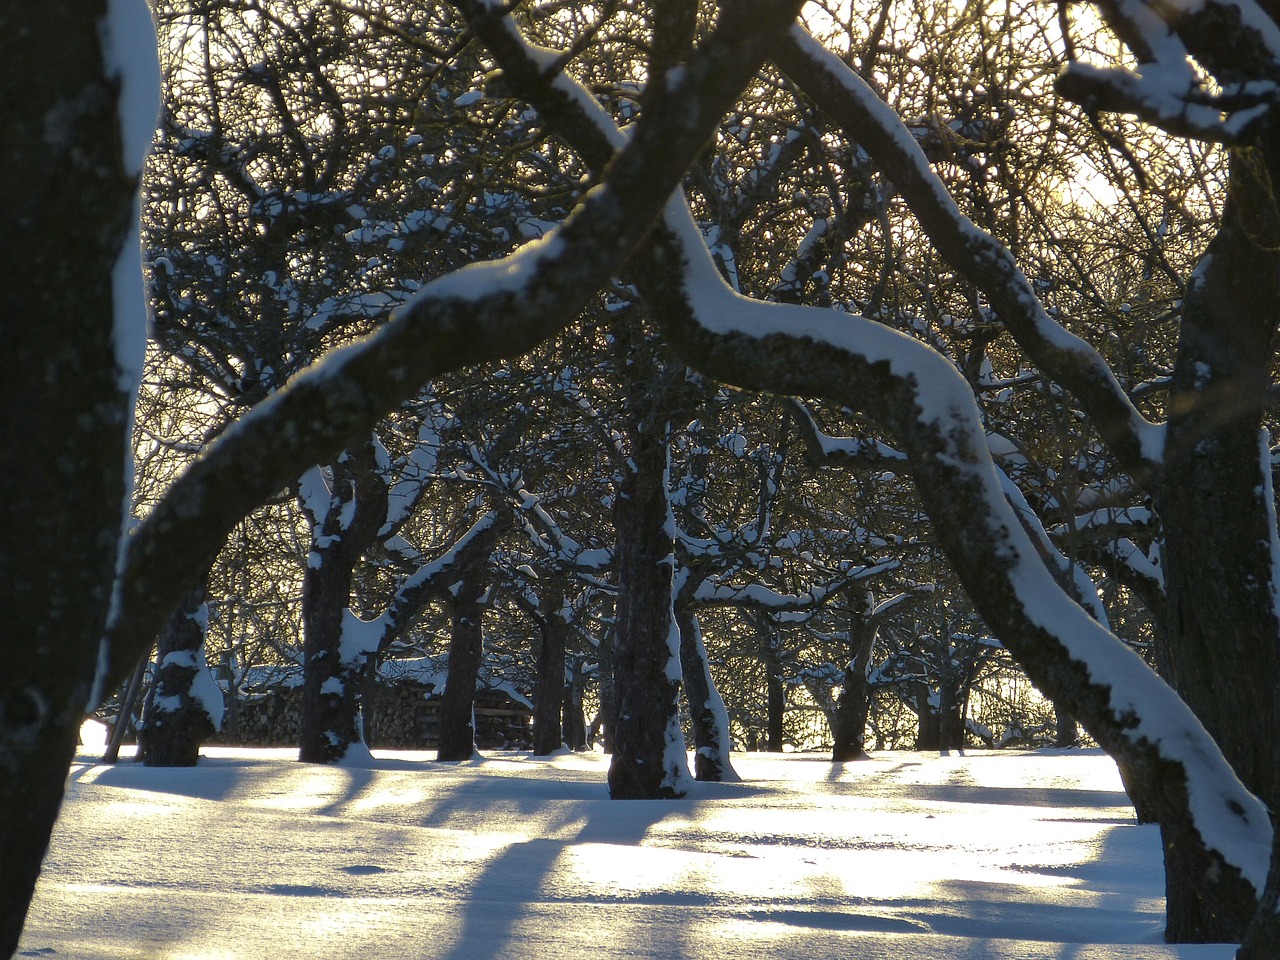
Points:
x=821 y=447
x=980 y=257
x=714 y=591
x=365 y=638
x=1176 y=104
x=480 y=313
x=1206 y=69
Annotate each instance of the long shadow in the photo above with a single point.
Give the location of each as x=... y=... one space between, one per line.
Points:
x=1015 y=796
x=1120 y=906
x=507 y=890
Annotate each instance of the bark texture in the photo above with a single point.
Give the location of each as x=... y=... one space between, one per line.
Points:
x=64 y=435
x=1221 y=643
x=549 y=691
x=177 y=723
x=345 y=524
x=707 y=715
x=850 y=731
x=466 y=649
x=645 y=691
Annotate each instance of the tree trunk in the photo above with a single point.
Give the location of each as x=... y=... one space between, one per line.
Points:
x=776 y=692
x=707 y=714
x=602 y=726
x=850 y=732
x=1216 y=507
x=950 y=724
x=775 y=687
x=1066 y=732
x=548 y=703
x=329 y=695
x=66 y=421
x=1262 y=936
x=648 y=760
x=928 y=728
x=574 y=722
x=177 y=723
x=345 y=522
x=466 y=649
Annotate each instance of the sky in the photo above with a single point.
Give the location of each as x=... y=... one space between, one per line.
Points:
x=250 y=854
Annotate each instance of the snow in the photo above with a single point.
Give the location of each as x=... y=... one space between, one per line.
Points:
x=206 y=692
x=130 y=55
x=129 y=52
x=251 y=854
x=1232 y=822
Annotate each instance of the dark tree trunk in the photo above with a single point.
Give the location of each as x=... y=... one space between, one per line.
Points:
x=854 y=705
x=950 y=721
x=352 y=515
x=775 y=686
x=575 y=721
x=777 y=706
x=1221 y=642
x=602 y=726
x=928 y=728
x=707 y=715
x=329 y=698
x=177 y=723
x=466 y=649
x=548 y=694
x=1262 y=936
x=1066 y=732
x=648 y=761
x=852 y=709
x=64 y=440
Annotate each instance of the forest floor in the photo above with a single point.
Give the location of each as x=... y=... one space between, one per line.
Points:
x=253 y=856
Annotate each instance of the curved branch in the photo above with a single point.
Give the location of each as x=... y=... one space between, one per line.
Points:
x=980 y=257
x=482 y=312
x=922 y=399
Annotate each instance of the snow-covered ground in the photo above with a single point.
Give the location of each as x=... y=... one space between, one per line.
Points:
x=252 y=856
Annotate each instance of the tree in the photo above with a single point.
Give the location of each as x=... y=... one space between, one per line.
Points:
x=510 y=305
x=67 y=595
x=184 y=706
x=59 y=563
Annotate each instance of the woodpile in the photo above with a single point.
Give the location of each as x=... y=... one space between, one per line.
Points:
x=403 y=715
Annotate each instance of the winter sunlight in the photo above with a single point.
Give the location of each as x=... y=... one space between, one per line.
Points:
x=250 y=854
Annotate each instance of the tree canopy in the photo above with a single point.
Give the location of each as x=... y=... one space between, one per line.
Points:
x=495 y=301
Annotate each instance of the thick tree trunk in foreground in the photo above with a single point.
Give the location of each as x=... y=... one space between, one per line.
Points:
x=646 y=764
x=65 y=425
x=177 y=723
x=1222 y=641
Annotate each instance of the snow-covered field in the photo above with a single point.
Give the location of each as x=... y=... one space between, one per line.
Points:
x=253 y=856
